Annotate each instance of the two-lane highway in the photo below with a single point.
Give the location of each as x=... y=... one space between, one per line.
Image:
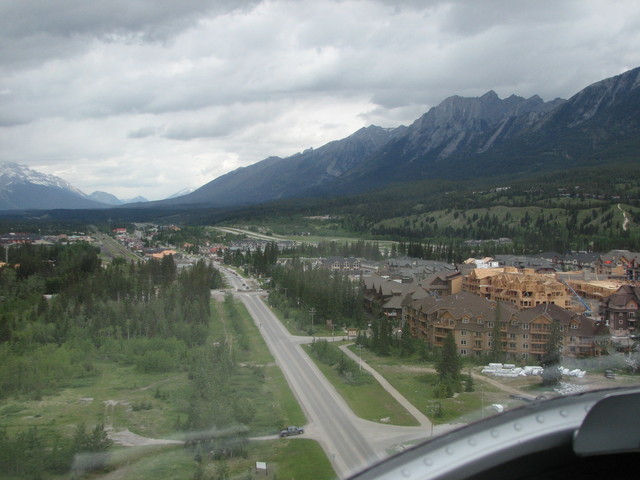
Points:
x=351 y=443
x=328 y=414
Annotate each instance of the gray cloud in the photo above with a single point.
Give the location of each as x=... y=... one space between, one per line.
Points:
x=202 y=87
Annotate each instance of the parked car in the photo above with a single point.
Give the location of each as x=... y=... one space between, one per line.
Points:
x=291 y=431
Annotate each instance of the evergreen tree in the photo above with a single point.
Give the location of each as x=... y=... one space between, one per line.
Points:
x=468 y=383
x=552 y=356
x=449 y=365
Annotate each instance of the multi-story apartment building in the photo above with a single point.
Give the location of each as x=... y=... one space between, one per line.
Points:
x=524 y=289
x=392 y=297
x=523 y=333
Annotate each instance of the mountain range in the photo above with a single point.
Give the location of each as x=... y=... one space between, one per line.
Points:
x=22 y=188
x=460 y=139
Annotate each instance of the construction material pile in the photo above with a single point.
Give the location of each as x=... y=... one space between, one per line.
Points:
x=509 y=370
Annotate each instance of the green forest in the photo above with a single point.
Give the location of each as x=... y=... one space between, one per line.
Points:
x=580 y=209
x=65 y=318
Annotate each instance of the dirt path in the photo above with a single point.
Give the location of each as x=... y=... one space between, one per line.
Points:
x=482 y=378
x=127 y=438
x=159 y=382
x=401 y=399
x=625 y=223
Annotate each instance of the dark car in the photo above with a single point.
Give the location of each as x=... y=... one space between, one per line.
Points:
x=291 y=431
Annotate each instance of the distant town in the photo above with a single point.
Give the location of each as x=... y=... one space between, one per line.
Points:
x=593 y=296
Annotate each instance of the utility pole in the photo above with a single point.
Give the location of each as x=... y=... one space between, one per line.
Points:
x=312 y=312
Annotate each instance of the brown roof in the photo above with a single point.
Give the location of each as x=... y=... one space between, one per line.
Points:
x=586 y=326
x=465 y=304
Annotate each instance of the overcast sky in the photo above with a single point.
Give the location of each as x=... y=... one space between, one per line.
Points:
x=147 y=97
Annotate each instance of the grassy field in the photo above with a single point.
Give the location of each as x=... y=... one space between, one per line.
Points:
x=111 y=398
x=286 y=458
x=154 y=405
x=367 y=400
x=338 y=239
x=417 y=382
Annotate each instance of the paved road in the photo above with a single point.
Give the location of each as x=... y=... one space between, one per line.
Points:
x=351 y=443
x=329 y=417
x=111 y=249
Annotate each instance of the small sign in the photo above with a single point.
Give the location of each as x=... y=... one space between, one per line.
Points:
x=261 y=466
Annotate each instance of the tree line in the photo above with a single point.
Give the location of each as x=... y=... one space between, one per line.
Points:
x=332 y=295
x=63 y=313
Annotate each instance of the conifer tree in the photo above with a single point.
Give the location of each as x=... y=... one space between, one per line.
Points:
x=449 y=365
x=551 y=358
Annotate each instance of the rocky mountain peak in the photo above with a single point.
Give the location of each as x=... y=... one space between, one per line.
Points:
x=13 y=173
x=601 y=95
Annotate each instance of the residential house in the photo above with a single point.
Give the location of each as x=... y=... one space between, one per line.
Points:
x=349 y=265
x=382 y=295
x=414 y=269
x=443 y=284
x=614 y=263
x=619 y=310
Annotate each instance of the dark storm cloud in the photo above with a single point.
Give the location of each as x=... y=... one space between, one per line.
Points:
x=36 y=30
x=198 y=88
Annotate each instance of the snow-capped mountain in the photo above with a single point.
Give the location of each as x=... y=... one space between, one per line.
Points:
x=110 y=199
x=22 y=188
x=184 y=191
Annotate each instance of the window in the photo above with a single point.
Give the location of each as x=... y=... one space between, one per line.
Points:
x=491 y=344
x=463 y=342
x=463 y=351
x=465 y=320
x=525 y=346
x=525 y=326
x=490 y=324
x=512 y=336
x=574 y=326
x=525 y=336
x=512 y=345
x=490 y=334
x=463 y=332
x=572 y=339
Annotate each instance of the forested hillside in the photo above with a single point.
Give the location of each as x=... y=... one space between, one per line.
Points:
x=582 y=209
